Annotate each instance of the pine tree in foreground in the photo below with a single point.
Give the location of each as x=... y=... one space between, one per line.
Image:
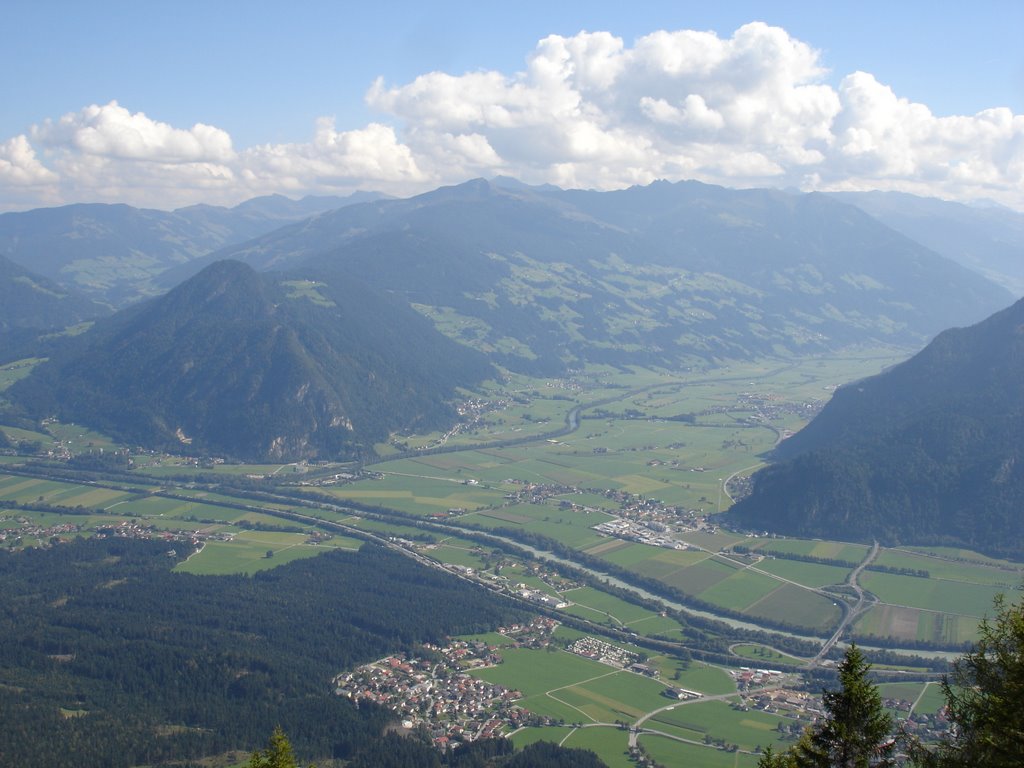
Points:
x=985 y=699
x=856 y=731
x=278 y=753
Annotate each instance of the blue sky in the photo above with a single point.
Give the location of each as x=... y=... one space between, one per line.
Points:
x=263 y=74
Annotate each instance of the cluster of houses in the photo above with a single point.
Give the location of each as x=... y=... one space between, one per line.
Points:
x=652 y=533
x=929 y=727
x=541 y=598
x=749 y=678
x=17 y=529
x=437 y=693
x=606 y=653
x=471 y=417
x=535 y=634
x=644 y=510
x=538 y=493
x=767 y=407
x=130 y=529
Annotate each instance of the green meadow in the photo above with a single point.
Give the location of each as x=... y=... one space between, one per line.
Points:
x=248 y=552
x=567 y=526
x=996 y=573
x=721 y=720
x=953 y=597
x=606 y=605
x=830 y=550
x=562 y=685
x=807 y=574
x=17 y=370
x=612 y=744
x=706 y=678
x=667 y=751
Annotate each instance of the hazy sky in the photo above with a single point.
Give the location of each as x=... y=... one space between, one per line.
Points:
x=165 y=104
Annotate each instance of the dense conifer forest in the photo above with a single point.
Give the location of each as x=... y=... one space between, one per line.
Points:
x=111 y=658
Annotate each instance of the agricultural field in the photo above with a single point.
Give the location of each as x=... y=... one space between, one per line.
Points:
x=165 y=466
x=16 y=435
x=997 y=573
x=721 y=720
x=564 y=686
x=668 y=751
x=731 y=584
x=612 y=744
x=920 y=697
x=78 y=439
x=567 y=526
x=930 y=700
x=799 y=606
x=829 y=550
x=965 y=556
x=453 y=553
x=418 y=491
x=952 y=597
x=252 y=551
x=609 y=742
x=706 y=678
x=601 y=606
x=806 y=574
x=898 y=623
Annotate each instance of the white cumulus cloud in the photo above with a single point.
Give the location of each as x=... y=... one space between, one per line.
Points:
x=371 y=156
x=23 y=178
x=112 y=131
x=19 y=165
x=588 y=110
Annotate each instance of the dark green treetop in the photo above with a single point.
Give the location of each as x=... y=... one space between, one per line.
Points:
x=278 y=753
x=856 y=731
x=985 y=699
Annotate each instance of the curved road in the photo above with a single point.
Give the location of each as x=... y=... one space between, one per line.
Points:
x=637 y=728
x=850 y=614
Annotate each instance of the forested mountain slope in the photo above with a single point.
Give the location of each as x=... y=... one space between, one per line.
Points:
x=256 y=367
x=111 y=658
x=929 y=452
x=30 y=301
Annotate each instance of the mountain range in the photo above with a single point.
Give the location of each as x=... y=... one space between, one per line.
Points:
x=323 y=331
x=542 y=279
x=989 y=240
x=928 y=452
x=112 y=253
x=257 y=367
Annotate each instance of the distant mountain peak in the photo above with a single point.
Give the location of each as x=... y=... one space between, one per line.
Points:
x=508 y=182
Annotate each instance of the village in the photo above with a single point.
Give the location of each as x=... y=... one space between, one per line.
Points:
x=19 y=530
x=436 y=692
